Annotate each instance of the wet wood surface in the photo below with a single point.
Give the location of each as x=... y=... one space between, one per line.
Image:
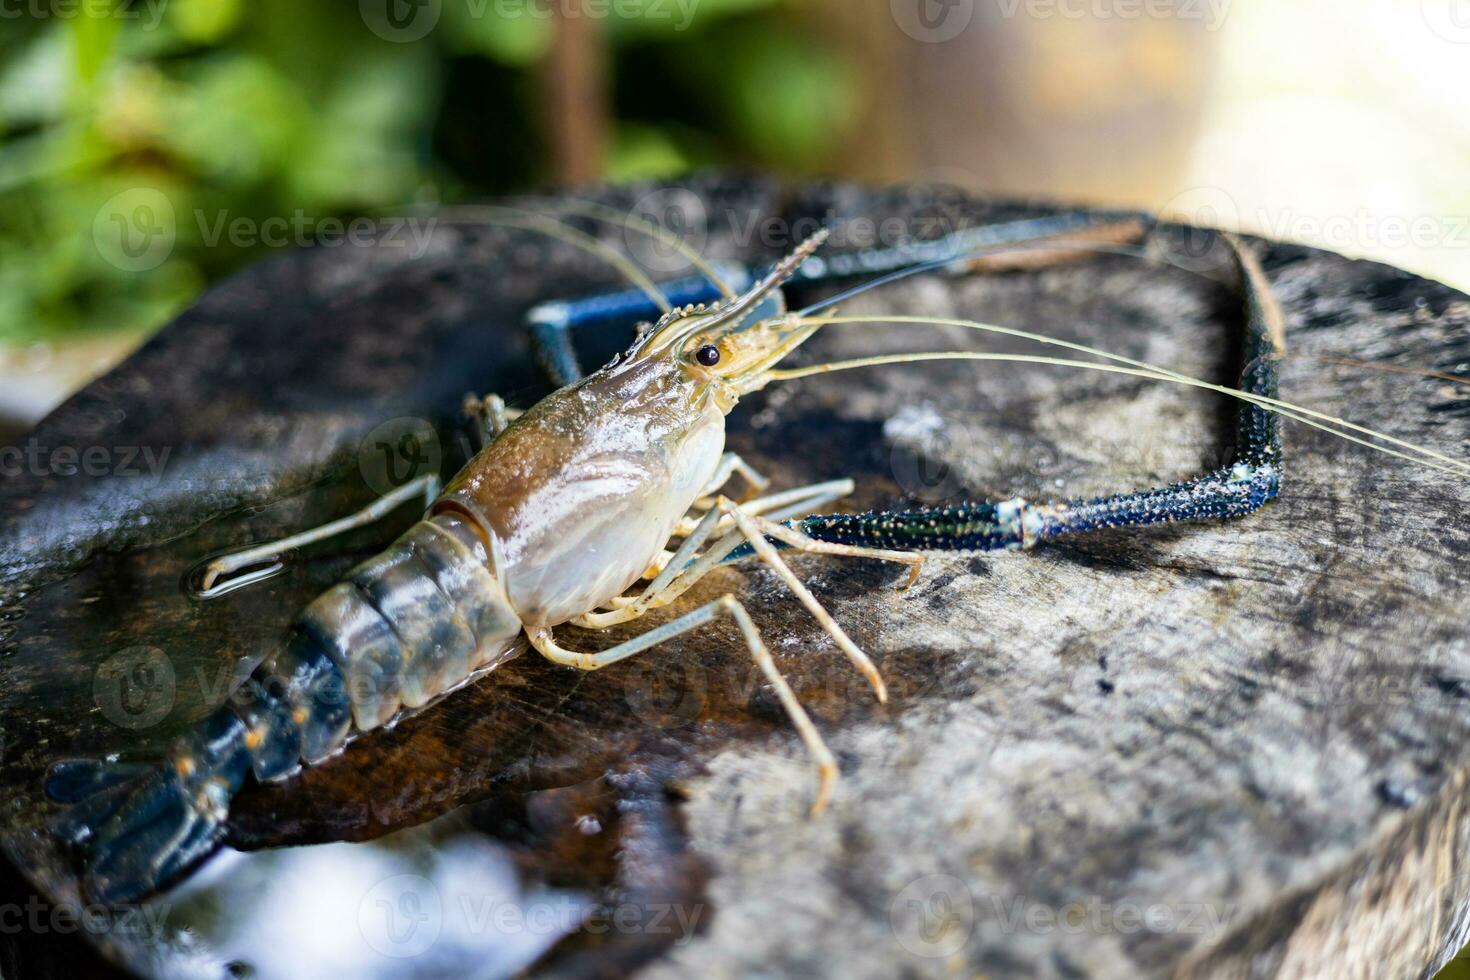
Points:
x=1215 y=750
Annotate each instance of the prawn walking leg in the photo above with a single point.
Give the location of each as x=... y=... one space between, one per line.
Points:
x=426 y=486
x=793 y=538
x=780 y=506
x=682 y=570
x=679 y=576
x=489 y=415
x=786 y=503
x=542 y=640
x=730 y=464
x=767 y=553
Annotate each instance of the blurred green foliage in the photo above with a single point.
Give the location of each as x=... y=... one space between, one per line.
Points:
x=132 y=131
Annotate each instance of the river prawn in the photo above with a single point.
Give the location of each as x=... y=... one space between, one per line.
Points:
x=604 y=501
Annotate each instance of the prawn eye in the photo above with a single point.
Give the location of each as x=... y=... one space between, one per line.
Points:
x=708 y=355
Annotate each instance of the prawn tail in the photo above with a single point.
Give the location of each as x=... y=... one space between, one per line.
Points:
x=404 y=628
x=137 y=828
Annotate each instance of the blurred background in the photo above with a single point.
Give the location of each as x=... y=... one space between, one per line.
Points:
x=129 y=123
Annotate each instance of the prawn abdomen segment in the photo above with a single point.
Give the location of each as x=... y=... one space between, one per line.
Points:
x=403 y=628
